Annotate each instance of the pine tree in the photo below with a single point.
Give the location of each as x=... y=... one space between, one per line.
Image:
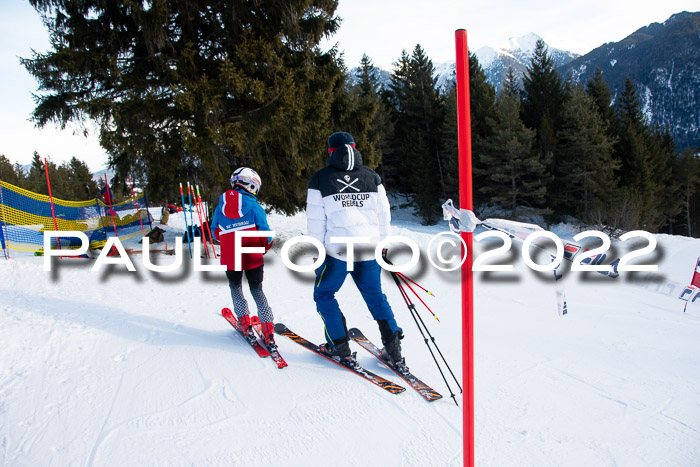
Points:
x=543 y=98
x=83 y=187
x=543 y=91
x=635 y=152
x=414 y=165
x=687 y=174
x=394 y=98
x=196 y=87
x=36 y=178
x=482 y=97
x=516 y=173
x=422 y=121
x=511 y=84
x=355 y=110
x=587 y=163
x=10 y=173
x=598 y=89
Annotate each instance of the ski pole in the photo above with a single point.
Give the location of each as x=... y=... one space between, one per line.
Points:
x=412 y=310
x=403 y=278
x=184 y=213
x=432 y=339
x=409 y=304
x=206 y=222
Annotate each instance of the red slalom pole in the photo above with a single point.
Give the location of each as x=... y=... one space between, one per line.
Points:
x=466 y=202
x=201 y=225
x=206 y=222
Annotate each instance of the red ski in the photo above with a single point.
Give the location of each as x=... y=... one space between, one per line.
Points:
x=226 y=313
x=274 y=352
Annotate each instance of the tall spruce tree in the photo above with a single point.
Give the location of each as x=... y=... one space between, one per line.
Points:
x=687 y=173
x=516 y=172
x=355 y=111
x=195 y=87
x=644 y=169
x=395 y=98
x=418 y=114
x=599 y=90
x=511 y=83
x=82 y=186
x=586 y=161
x=482 y=97
x=543 y=97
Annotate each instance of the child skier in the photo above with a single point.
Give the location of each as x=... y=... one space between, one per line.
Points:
x=238 y=210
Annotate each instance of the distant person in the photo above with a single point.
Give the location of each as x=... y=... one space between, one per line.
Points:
x=347 y=199
x=238 y=210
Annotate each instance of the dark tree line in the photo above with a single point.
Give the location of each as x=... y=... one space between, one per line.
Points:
x=195 y=89
x=71 y=181
x=549 y=145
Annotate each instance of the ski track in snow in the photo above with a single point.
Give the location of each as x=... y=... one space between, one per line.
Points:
x=119 y=368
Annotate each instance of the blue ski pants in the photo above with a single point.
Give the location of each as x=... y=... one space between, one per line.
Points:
x=367 y=276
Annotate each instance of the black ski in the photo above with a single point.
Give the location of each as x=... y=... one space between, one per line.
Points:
x=428 y=393
x=385 y=384
x=261 y=351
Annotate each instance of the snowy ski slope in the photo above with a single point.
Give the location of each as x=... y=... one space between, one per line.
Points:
x=117 y=368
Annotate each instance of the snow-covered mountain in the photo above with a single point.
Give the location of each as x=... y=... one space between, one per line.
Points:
x=495 y=61
x=663 y=60
x=517 y=53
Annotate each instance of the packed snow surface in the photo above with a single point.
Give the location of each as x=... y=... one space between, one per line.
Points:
x=117 y=368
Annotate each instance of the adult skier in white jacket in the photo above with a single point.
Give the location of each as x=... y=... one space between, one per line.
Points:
x=347 y=199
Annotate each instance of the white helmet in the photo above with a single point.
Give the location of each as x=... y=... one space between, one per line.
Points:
x=246 y=178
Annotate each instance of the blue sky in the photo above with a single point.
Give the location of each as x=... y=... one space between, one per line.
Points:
x=382 y=29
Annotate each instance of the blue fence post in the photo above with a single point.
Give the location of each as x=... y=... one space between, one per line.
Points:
x=2 y=223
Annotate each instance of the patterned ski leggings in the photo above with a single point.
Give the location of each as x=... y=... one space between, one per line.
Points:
x=240 y=304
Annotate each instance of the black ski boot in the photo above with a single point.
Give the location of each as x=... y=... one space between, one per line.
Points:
x=340 y=353
x=391 y=352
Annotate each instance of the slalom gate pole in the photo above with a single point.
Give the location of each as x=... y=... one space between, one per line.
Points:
x=136 y=205
x=184 y=213
x=432 y=339
x=53 y=213
x=206 y=222
x=199 y=215
x=5 y=241
x=111 y=209
x=202 y=220
x=414 y=312
x=466 y=202
x=189 y=199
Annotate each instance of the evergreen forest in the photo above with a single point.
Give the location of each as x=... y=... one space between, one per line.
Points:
x=192 y=89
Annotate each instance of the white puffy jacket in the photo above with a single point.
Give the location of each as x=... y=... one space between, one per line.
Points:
x=347 y=199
